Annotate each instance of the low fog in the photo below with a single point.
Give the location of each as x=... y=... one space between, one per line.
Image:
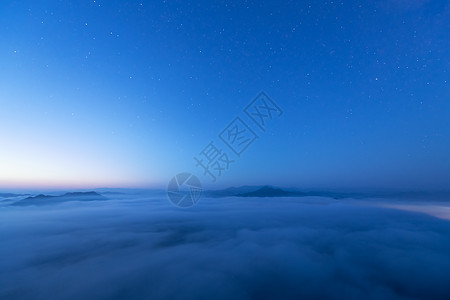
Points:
x=230 y=248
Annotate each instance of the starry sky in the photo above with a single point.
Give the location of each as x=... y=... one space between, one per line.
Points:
x=127 y=93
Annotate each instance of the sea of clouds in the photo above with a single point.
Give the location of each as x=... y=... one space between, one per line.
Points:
x=230 y=248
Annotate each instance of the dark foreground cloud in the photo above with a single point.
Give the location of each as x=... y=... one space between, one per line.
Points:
x=222 y=249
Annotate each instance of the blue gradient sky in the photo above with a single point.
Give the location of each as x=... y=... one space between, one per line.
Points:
x=125 y=93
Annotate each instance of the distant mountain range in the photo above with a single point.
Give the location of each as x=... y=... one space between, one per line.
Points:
x=242 y=191
x=271 y=191
x=267 y=191
x=48 y=199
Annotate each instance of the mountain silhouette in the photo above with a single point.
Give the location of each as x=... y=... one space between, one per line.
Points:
x=268 y=191
x=48 y=199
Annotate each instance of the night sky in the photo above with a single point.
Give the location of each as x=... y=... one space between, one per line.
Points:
x=127 y=93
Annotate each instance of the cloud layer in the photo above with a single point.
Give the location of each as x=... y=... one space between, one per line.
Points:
x=222 y=249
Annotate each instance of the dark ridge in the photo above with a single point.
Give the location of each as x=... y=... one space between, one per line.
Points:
x=48 y=199
x=271 y=191
x=231 y=191
x=267 y=191
x=82 y=194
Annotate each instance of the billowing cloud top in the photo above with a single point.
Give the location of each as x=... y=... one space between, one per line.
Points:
x=230 y=248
